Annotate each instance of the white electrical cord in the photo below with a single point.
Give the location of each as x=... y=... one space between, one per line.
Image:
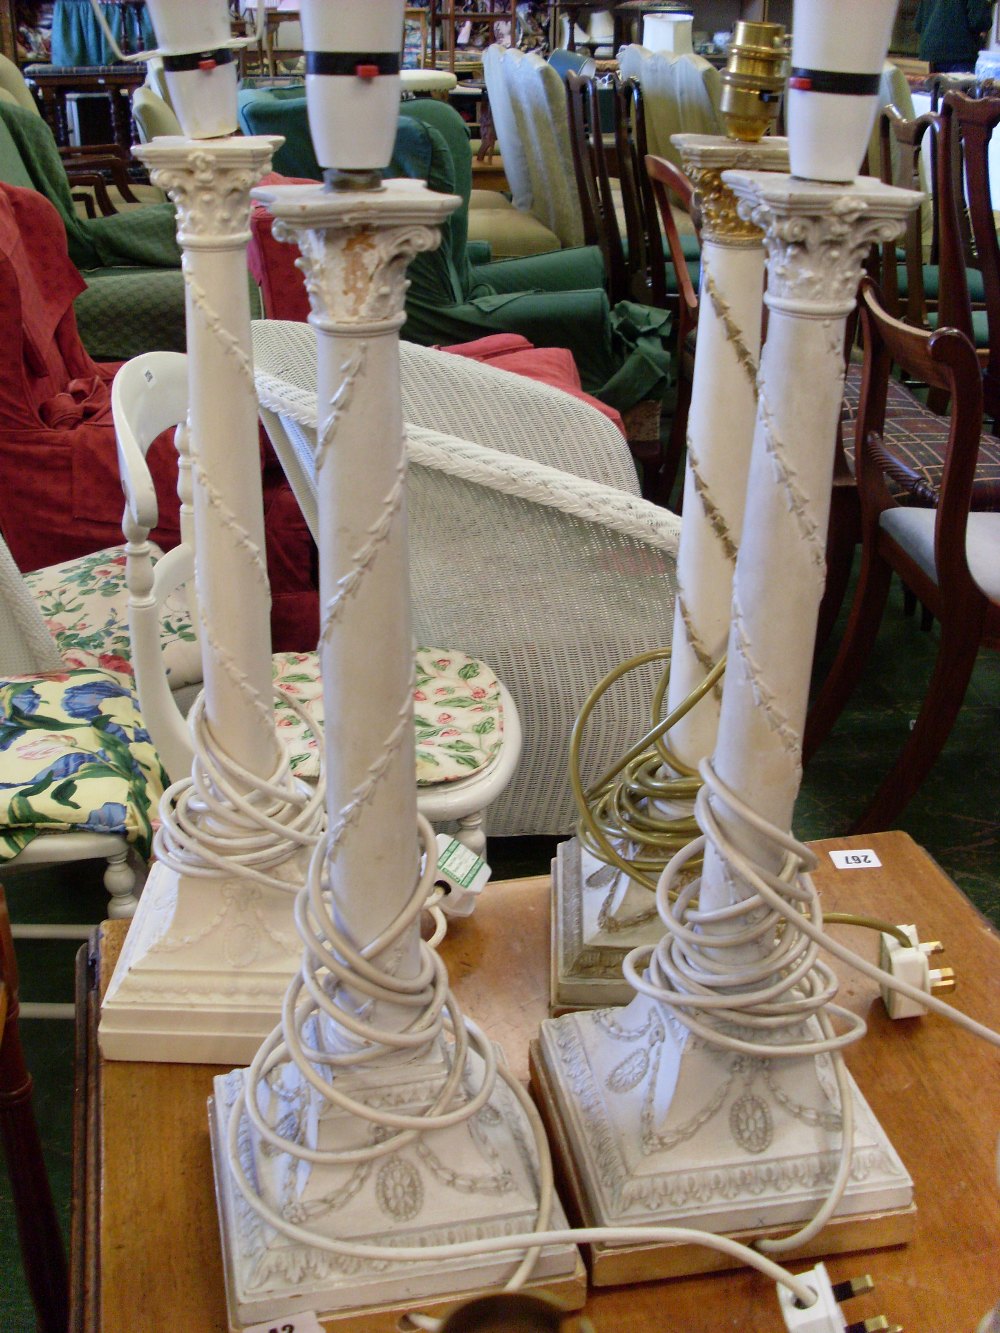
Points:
x=236 y=44
x=225 y=819
x=340 y=988
x=346 y=973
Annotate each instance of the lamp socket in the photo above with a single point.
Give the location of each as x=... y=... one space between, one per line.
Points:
x=912 y=964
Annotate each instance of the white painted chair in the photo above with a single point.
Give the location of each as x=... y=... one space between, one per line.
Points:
x=149 y=394
x=530 y=547
x=28 y=650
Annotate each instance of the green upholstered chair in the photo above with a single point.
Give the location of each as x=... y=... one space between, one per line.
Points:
x=134 y=300
x=492 y=219
x=116 y=194
x=553 y=300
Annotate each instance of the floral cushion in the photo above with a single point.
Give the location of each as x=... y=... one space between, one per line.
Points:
x=85 y=605
x=74 y=755
x=458 y=714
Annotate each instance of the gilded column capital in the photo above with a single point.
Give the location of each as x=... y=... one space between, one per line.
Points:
x=355 y=248
x=704 y=158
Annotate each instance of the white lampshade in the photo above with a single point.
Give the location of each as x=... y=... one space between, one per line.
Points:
x=352 y=80
x=837 y=55
x=668 y=32
x=199 y=62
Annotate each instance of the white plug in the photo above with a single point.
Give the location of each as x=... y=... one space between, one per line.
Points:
x=825 y=1314
x=461 y=874
x=911 y=965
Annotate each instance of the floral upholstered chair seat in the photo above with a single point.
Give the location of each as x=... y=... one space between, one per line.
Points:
x=75 y=757
x=458 y=714
x=85 y=604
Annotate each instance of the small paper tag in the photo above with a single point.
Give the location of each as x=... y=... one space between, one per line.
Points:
x=306 y=1322
x=463 y=872
x=862 y=859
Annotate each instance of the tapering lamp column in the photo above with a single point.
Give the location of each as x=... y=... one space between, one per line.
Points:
x=212 y=945
x=599 y=911
x=361 y=1122
x=717 y=1097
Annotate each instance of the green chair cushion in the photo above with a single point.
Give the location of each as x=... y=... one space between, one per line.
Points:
x=125 y=311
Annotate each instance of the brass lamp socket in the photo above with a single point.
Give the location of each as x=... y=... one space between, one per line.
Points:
x=753 y=80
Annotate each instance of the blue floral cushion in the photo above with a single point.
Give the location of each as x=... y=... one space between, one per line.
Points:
x=74 y=756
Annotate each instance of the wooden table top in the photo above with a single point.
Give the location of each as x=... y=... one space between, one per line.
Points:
x=145 y=1235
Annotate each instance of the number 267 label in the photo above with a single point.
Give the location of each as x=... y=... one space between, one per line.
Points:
x=299 y=1323
x=861 y=859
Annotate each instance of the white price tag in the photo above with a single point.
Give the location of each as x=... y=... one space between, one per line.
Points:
x=862 y=859
x=296 y=1323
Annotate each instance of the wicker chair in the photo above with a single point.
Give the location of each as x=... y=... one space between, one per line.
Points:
x=530 y=547
x=149 y=394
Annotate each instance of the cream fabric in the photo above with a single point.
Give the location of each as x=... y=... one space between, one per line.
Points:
x=511 y=233
x=913 y=529
x=496 y=71
x=540 y=109
x=680 y=94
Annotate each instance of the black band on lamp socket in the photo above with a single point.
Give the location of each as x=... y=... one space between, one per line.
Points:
x=180 y=64
x=834 y=81
x=367 y=64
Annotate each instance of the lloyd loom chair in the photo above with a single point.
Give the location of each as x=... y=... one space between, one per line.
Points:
x=530 y=547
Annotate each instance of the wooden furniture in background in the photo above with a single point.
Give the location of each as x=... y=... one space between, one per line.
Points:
x=146 y=1245
x=939 y=552
x=446 y=20
x=53 y=82
x=40 y=1238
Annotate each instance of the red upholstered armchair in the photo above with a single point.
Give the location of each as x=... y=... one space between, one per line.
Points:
x=60 y=493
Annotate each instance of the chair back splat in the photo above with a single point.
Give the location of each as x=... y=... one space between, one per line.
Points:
x=967 y=126
x=593 y=180
x=900 y=148
x=38 y=1232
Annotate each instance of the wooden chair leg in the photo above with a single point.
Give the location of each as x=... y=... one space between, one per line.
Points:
x=120 y=882
x=855 y=649
x=41 y=1242
x=956 y=657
